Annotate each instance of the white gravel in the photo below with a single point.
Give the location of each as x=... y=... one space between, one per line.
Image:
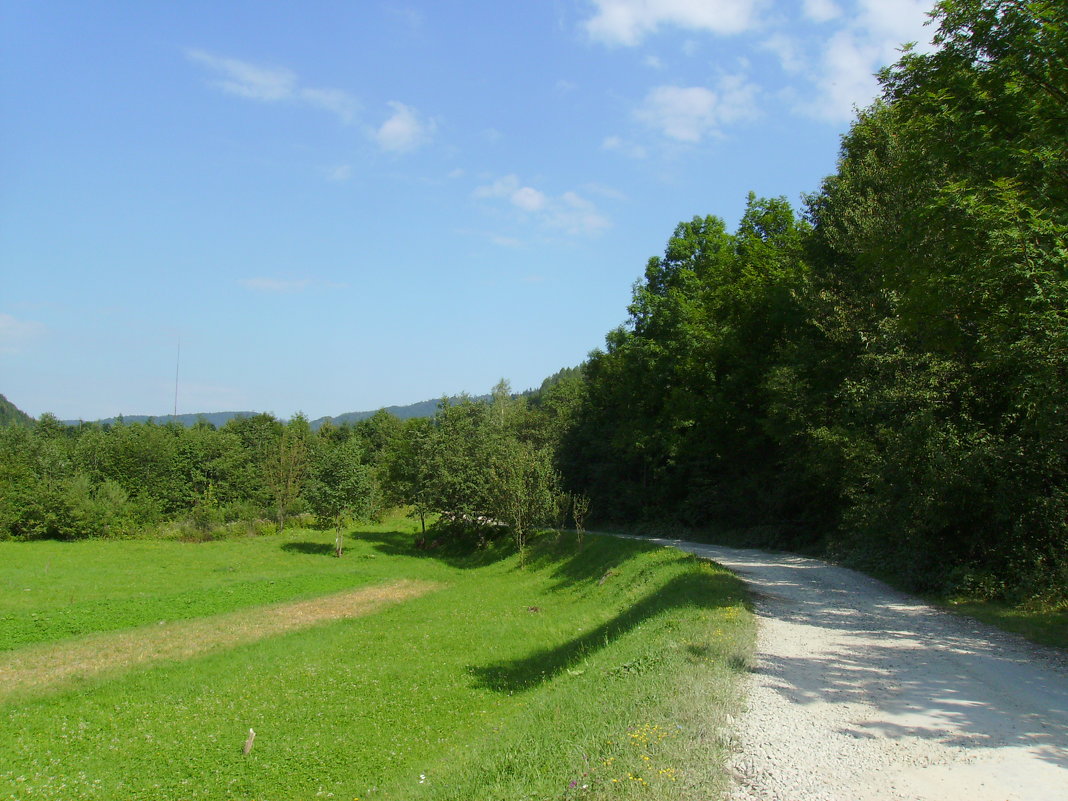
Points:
x=860 y=692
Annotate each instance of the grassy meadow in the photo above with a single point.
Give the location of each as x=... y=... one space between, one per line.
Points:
x=134 y=670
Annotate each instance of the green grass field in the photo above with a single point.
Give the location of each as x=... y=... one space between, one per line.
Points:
x=605 y=672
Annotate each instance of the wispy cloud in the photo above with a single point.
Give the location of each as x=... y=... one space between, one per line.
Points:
x=505 y=241
x=576 y=215
x=405 y=130
x=569 y=212
x=788 y=50
x=609 y=192
x=272 y=85
x=830 y=51
x=628 y=22
x=502 y=187
x=15 y=334
x=617 y=144
x=821 y=10
x=866 y=39
x=689 y=114
x=339 y=174
x=410 y=17
x=276 y=285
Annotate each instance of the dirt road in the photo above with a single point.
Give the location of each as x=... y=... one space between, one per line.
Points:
x=861 y=692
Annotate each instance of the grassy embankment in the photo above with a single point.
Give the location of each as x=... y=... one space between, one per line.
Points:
x=1042 y=624
x=600 y=673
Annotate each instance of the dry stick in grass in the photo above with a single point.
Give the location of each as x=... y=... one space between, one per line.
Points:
x=248 y=742
x=580 y=508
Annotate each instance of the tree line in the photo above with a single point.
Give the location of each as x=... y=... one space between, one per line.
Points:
x=879 y=375
x=476 y=467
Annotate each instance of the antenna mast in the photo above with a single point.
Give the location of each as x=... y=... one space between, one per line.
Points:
x=177 y=361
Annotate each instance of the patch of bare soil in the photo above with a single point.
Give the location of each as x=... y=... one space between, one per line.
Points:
x=43 y=667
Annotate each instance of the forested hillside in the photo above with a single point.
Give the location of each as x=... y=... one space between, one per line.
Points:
x=880 y=374
x=10 y=414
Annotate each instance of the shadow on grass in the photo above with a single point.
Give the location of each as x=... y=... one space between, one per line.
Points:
x=692 y=590
x=560 y=554
x=596 y=557
x=459 y=554
x=310 y=547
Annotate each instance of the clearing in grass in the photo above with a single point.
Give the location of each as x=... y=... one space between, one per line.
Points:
x=605 y=672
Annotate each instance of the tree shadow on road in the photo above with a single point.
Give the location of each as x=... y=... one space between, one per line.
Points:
x=929 y=674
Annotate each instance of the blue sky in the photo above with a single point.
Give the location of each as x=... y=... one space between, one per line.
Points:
x=341 y=206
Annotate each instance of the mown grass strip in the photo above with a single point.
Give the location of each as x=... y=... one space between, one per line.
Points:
x=55 y=590
x=44 y=667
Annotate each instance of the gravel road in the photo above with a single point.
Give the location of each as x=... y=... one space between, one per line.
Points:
x=861 y=692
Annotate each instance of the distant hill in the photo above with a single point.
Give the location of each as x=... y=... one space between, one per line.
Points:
x=421 y=409
x=425 y=408
x=218 y=419
x=188 y=420
x=10 y=414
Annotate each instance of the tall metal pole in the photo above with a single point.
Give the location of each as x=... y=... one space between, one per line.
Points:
x=177 y=361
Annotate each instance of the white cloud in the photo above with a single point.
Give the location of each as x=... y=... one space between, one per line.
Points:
x=15 y=333
x=867 y=40
x=653 y=62
x=502 y=187
x=788 y=49
x=524 y=197
x=528 y=199
x=405 y=130
x=569 y=212
x=821 y=10
x=272 y=85
x=893 y=22
x=627 y=22
x=848 y=68
x=689 y=114
x=576 y=215
x=248 y=80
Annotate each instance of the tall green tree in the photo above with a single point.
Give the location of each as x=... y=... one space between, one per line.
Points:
x=340 y=487
x=285 y=466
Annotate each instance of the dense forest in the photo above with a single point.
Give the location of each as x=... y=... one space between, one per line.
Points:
x=879 y=375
